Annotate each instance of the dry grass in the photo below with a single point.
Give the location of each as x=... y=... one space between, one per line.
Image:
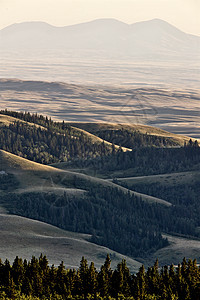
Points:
x=178 y=249
x=7 y=120
x=98 y=140
x=25 y=237
x=164 y=179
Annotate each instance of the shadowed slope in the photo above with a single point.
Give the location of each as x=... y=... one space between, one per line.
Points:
x=25 y=237
x=37 y=176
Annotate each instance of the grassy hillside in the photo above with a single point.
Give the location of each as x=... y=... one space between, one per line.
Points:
x=178 y=188
x=37 y=177
x=25 y=237
x=164 y=179
x=178 y=247
x=6 y=120
x=96 y=139
x=76 y=201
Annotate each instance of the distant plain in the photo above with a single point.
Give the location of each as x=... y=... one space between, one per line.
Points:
x=174 y=109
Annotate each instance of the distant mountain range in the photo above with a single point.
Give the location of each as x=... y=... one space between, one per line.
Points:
x=150 y=39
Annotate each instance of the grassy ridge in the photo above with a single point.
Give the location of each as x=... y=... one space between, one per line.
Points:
x=124 y=134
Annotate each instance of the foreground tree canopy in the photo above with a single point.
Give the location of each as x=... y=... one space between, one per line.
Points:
x=35 y=279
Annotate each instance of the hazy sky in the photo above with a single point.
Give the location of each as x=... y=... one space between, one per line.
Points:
x=184 y=14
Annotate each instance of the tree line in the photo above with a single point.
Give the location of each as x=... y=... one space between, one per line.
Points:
x=35 y=279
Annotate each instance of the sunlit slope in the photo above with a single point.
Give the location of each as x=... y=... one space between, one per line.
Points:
x=39 y=177
x=7 y=120
x=25 y=237
x=97 y=128
x=97 y=139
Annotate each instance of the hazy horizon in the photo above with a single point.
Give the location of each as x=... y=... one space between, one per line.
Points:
x=103 y=52
x=182 y=14
x=95 y=20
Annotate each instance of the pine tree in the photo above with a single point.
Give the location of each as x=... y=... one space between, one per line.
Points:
x=104 y=277
x=92 y=279
x=84 y=271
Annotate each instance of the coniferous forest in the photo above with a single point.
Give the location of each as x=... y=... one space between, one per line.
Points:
x=35 y=279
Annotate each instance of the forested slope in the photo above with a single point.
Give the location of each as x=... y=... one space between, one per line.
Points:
x=128 y=221
x=42 y=140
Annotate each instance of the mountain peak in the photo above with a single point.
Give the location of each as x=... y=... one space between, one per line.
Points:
x=27 y=26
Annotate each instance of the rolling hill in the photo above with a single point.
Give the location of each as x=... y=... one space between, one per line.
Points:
x=106 y=129
x=165 y=179
x=93 y=139
x=43 y=182
x=178 y=247
x=76 y=202
x=33 y=176
x=26 y=238
x=37 y=237
x=133 y=216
